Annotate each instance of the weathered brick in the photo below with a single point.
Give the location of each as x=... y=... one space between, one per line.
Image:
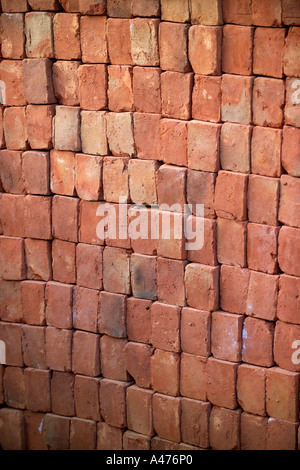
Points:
x=11 y=73
x=165 y=337
x=195 y=422
x=176 y=94
x=221 y=380
x=119 y=41
x=39 y=35
x=66 y=31
x=85 y=309
x=33 y=302
x=268 y=102
x=88 y=177
x=13 y=38
x=266 y=151
x=236 y=99
x=290 y=157
x=224 y=428
x=268 y=52
x=138 y=363
x=288 y=299
x=235 y=140
x=289 y=191
x=173 y=56
x=173 y=141
x=38 y=259
x=262 y=296
x=12 y=258
x=93 y=132
x=206 y=98
x=209 y=40
x=93 y=38
x=144 y=41
x=266 y=236
x=237 y=49
x=66 y=128
x=266 y=13
x=288 y=250
x=258 y=342
x=66 y=82
x=206 y=12
x=39 y=126
x=251 y=385
x=33 y=345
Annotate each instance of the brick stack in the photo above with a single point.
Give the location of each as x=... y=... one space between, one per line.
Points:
x=141 y=344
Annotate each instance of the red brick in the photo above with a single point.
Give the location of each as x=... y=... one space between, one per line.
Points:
x=37 y=384
x=62 y=394
x=206 y=12
x=292 y=107
x=11 y=309
x=288 y=299
x=38 y=217
x=2 y=142
x=113 y=402
x=224 y=429
x=85 y=354
x=138 y=363
x=142 y=238
x=64 y=218
x=113 y=362
x=12 y=434
x=176 y=94
x=173 y=56
x=85 y=309
x=44 y=5
x=237 y=49
x=170 y=281
x=268 y=52
x=115 y=179
x=11 y=73
x=147 y=134
x=233 y=300
x=11 y=6
x=33 y=345
x=10 y=333
x=59 y=305
x=88 y=223
x=92 y=7
x=119 y=41
x=59 y=349
x=11 y=171
x=173 y=141
x=39 y=35
x=163 y=444
x=265 y=13
x=119 y=9
x=146 y=89
x=235 y=147
x=282 y=394
x=134 y=441
x=14 y=387
x=146 y=8
x=285 y=354
x=120 y=134
x=166 y=417
x=231 y=242
x=116 y=273
x=165 y=372
x=193 y=385
x=86 y=396
x=221 y=380
x=165 y=321
x=253 y=432
x=236 y=99
x=263 y=200
x=291 y=53
x=195 y=331
x=38 y=259
x=268 y=102
x=82 y=435
x=288 y=250
x=281 y=435
x=66 y=82
x=206 y=98
x=15 y=128
x=120 y=88
x=238 y=12
x=57 y=432
x=39 y=126
x=266 y=151
x=66 y=31
x=88 y=177
x=290 y=157
x=203 y=146
x=143 y=276
x=93 y=39
x=195 y=422
x=142 y=181
x=1 y=385
x=62 y=172
x=202 y=285
x=200 y=190
x=169 y=230
x=289 y=192
x=251 y=384
x=34 y=430
x=139 y=410
x=171 y=185
x=290 y=12
x=144 y=41
x=262 y=296
x=138 y=320
x=226 y=334
x=63 y=261
x=66 y=129
x=37 y=81
x=177 y=11
x=208 y=39
x=266 y=236
x=231 y=195
x=33 y=302
x=92 y=86
x=13 y=38
x=258 y=342
x=109 y=437
x=12 y=260
x=89 y=266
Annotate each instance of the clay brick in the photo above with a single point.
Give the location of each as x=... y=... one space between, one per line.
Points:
x=63 y=261
x=62 y=393
x=143 y=276
x=289 y=191
x=2 y=141
x=281 y=435
x=268 y=52
x=224 y=429
x=290 y=157
x=200 y=190
x=93 y=39
x=12 y=433
x=235 y=147
x=134 y=441
x=86 y=396
x=138 y=363
x=237 y=49
x=34 y=430
x=109 y=437
x=58 y=349
x=266 y=151
x=11 y=73
x=166 y=417
x=120 y=88
x=238 y=12
x=251 y=384
x=120 y=134
x=290 y=12
x=146 y=8
x=292 y=107
x=116 y=272
x=291 y=54
x=146 y=89
x=176 y=94
x=119 y=9
x=12 y=6
x=253 y=432
x=119 y=41
x=59 y=305
x=89 y=266
x=209 y=40
x=165 y=372
x=258 y=342
x=142 y=181
x=15 y=128
x=170 y=281
x=33 y=345
x=202 y=285
x=65 y=218
x=147 y=135
x=206 y=98
x=39 y=126
x=12 y=214
x=13 y=38
x=203 y=146
x=165 y=320
x=231 y=242
x=284 y=350
x=11 y=301
x=44 y=5
x=14 y=387
x=115 y=179
x=113 y=362
x=37 y=385
x=33 y=302
x=263 y=200
x=38 y=259
x=171 y=236
x=57 y=432
x=236 y=99
x=82 y=435
x=171 y=180
x=266 y=236
x=173 y=141
x=266 y=13
x=288 y=299
x=66 y=129
x=144 y=241
x=66 y=82
x=206 y=12
x=193 y=385
x=163 y=444
x=1 y=385
x=10 y=333
x=93 y=132
x=113 y=402
x=139 y=410
x=262 y=296
x=88 y=223
x=12 y=260
x=85 y=309
x=144 y=41
x=112 y=314
x=11 y=171
x=92 y=7
x=138 y=320
x=173 y=56
x=195 y=422
x=268 y=102
x=195 y=331
x=39 y=35
x=233 y=300
x=175 y=10
x=85 y=354
x=288 y=250
x=282 y=394
x=228 y=185
x=66 y=31
x=221 y=379
x=226 y=334
x=88 y=177
x=38 y=217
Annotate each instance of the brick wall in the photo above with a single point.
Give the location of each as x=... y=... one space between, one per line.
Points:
x=132 y=343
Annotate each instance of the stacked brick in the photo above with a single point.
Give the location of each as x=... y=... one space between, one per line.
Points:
x=140 y=344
